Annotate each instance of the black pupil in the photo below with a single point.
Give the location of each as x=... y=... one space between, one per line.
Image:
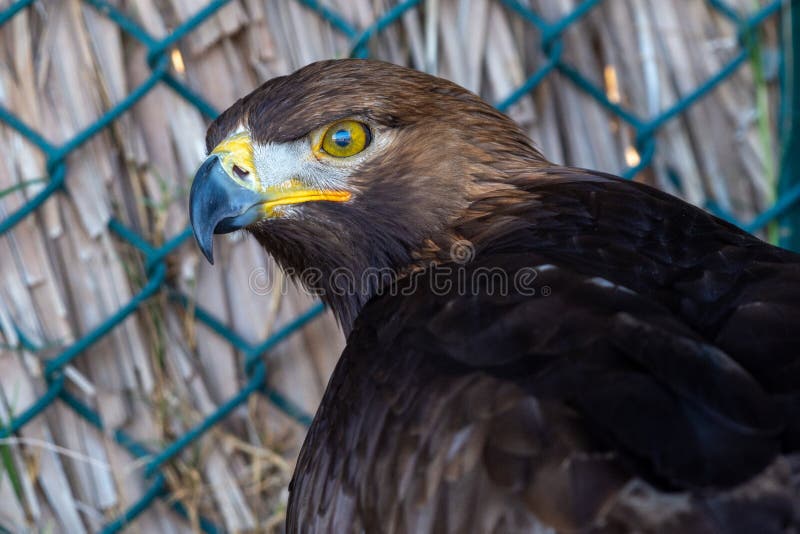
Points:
x=342 y=138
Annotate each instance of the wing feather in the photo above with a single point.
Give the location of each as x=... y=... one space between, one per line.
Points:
x=652 y=388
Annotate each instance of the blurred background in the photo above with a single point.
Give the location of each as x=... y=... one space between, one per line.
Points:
x=143 y=389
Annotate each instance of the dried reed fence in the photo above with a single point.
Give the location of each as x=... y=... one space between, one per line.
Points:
x=63 y=271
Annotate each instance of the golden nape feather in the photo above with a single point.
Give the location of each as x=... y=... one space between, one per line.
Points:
x=531 y=348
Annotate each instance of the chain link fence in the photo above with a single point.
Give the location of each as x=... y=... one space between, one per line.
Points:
x=158 y=52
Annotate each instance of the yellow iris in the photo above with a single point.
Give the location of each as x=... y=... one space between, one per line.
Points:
x=345 y=138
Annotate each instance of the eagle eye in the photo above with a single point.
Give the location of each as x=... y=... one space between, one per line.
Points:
x=345 y=138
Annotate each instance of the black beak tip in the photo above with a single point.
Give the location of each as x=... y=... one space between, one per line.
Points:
x=201 y=229
x=208 y=251
x=205 y=242
x=204 y=201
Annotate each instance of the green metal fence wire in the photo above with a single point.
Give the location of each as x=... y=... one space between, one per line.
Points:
x=790 y=125
x=158 y=50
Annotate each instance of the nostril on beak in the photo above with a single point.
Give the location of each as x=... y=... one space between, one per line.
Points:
x=240 y=172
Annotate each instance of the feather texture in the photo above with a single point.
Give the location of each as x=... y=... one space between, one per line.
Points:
x=635 y=371
x=622 y=401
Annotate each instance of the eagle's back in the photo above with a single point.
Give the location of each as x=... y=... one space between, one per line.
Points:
x=637 y=372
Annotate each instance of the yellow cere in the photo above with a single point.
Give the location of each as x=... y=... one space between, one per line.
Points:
x=237 y=150
x=345 y=138
x=292 y=192
x=304 y=195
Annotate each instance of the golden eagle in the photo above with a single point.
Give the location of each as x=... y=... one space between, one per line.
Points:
x=530 y=347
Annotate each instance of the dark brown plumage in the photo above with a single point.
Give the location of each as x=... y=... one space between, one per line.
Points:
x=650 y=382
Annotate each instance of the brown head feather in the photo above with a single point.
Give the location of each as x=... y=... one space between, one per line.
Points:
x=449 y=148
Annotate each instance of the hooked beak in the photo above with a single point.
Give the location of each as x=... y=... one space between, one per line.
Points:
x=221 y=202
x=219 y=205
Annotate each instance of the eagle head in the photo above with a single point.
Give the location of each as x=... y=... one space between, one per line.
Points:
x=348 y=167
